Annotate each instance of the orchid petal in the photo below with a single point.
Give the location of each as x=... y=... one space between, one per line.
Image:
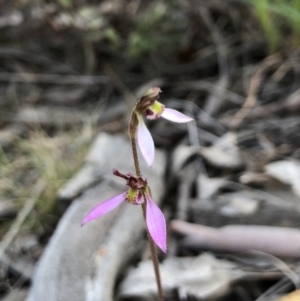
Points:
x=175 y=116
x=156 y=224
x=104 y=208
x=145 y=142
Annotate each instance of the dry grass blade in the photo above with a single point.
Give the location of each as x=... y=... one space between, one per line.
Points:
x=15 y=228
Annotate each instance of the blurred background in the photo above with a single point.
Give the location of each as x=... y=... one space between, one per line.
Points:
x=71 y=70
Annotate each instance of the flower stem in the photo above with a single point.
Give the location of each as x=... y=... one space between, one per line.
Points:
x=132 y=132
x=154 y=258
x=135 y=158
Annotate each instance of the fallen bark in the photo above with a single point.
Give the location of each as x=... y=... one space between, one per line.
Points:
x=277 y=241
x=204 y=277
x=83 y=263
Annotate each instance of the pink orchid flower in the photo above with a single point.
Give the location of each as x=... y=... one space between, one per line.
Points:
x=153 y=111
x=137 y=194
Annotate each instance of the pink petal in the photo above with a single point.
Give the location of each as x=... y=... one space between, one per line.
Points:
x=156 y=224
x=145 y=142
x=175 y=116
x=104 y=207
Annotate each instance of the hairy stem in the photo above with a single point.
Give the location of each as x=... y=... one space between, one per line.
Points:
x=135 y=157
x=154 y=258
x=134 y=122
x=132 y=132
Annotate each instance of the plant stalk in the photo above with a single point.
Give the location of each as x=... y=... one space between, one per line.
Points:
x=132 y=132
x=154 y=258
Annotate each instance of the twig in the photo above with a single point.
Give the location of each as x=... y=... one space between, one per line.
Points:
x=291 y=275
x=282 y=286
x=289 y=104
x=201 y=116
x=277 y=241
x=29 y=56
x=194 y=135
x=253 y=90
x=210 y=87
x=183 y=199
x=120 y=85
x=214 y=101
x=282 y=266
x=57 y=79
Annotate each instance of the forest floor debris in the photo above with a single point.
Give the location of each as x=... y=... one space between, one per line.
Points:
x=78 y=72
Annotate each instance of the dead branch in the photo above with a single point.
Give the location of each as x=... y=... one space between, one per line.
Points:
x=277 y=241
x=253 y=90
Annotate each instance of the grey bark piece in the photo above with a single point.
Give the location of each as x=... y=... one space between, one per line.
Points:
x=85 y=177
x=224 y=153
x=119 y=246
x=204 y=277
x=106 y=153
x=79 y=263
x=95 y=166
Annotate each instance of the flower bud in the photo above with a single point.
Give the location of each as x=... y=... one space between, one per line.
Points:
x=147 y=100
x=152 y=92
